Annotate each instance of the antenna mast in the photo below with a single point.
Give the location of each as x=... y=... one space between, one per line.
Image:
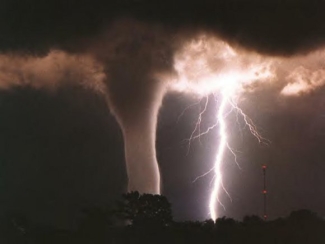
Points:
x=264 y=192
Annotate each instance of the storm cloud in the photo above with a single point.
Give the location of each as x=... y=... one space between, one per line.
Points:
x=281 y=27
x=129 y=48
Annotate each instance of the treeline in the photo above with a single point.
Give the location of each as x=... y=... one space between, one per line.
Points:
x=148 y=219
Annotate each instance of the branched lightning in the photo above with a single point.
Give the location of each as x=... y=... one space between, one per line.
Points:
x=198 y=125
x=210 y=66
x=250 y=124
x=226 y=105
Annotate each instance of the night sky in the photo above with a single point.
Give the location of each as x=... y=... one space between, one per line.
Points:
x=62 y=149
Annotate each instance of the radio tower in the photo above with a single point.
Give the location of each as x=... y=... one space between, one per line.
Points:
x=264 y=192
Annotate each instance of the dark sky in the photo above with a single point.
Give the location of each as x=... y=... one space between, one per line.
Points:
x=278 y=27
x=63 y=150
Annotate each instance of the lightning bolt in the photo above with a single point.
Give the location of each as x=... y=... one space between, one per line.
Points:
x=214 y=197
x=227 y=104
x=198 y=125
x=206 y=66
x=226 y=101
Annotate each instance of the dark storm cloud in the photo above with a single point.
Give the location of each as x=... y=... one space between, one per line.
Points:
x=276 y=27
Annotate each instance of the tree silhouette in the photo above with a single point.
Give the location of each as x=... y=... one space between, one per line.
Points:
x=145 y=209
x=252 y=220
x=303 y=215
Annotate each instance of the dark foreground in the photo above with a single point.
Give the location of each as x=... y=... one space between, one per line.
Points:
x=148 y=219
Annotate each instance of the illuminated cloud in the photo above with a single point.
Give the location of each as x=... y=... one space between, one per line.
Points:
x=208 y=64
x=55 y=69
x=303 y=80
x=305 y=73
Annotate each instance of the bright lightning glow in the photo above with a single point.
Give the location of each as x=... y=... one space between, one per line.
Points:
x=214 y=197
x=208 y=65
x=227 y=105
x=226 y=101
